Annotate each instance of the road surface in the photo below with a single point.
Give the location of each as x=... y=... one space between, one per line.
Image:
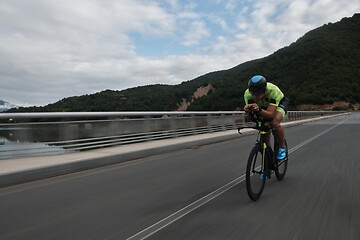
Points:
x=200 y=193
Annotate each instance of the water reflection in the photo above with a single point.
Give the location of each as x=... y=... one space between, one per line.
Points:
x=64 y=136
x=21 y=142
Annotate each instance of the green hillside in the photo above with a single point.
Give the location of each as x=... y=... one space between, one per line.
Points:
x=321 y=67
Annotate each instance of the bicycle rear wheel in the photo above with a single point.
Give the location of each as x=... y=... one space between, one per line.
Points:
x=254 y=182
x=280 y=166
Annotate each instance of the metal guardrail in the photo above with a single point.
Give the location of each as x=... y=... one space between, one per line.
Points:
x=63 y=134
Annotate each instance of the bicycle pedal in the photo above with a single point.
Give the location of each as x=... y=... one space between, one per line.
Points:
x=267 y=176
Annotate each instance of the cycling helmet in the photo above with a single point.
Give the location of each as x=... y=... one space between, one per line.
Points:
x=257 y=85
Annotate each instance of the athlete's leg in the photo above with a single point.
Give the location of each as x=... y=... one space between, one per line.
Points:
x=278 y=130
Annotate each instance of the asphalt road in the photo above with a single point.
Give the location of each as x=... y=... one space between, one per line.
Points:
x=318 y=199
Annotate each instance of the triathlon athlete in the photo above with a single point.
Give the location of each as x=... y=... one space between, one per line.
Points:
x=267 y=99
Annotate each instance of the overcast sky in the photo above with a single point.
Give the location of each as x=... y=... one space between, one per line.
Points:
x=52 y=49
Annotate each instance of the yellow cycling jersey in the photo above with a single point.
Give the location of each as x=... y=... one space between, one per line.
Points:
x=273 y=96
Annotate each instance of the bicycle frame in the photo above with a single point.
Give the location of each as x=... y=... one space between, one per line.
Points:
x=264 y=129
x=268 y=161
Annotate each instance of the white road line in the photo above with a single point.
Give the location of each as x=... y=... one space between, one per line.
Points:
x=147 y=232
x=184 y=211
x=316 y=136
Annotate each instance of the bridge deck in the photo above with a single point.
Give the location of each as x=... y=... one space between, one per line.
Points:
x=13 y=171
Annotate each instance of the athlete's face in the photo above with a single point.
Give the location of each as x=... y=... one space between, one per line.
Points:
x=259 y=97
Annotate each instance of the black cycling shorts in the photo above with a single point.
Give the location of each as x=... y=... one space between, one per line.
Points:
x=284 y=104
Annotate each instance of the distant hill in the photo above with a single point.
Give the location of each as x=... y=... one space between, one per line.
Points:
x=320 y=69
x=4 y=106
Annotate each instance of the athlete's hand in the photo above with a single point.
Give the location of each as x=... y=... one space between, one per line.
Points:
x=247 y=108
x=255 y=108
x=252 y=108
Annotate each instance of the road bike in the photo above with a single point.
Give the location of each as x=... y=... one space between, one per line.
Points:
x=262 y=162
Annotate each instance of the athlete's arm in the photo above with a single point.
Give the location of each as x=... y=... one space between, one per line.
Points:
x=269 y=113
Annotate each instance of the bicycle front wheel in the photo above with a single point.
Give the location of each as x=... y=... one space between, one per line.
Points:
x=255 y=179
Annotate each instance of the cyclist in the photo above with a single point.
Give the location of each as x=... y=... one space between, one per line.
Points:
x=267 y=99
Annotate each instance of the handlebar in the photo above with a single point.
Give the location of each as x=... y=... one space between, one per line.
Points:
x=258 y=122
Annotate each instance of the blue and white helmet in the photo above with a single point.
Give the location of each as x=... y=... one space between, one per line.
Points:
x=257 y=85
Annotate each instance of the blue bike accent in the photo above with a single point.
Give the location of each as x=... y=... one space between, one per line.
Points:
x=262 y=176
x=281 y=154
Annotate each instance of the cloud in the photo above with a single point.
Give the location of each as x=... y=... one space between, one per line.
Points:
x=266 y=26
x=195 y=33
x=54 y=49
x=51 y=44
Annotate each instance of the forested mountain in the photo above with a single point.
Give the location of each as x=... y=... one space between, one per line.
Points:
x=321 y=67
x=4 y=106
